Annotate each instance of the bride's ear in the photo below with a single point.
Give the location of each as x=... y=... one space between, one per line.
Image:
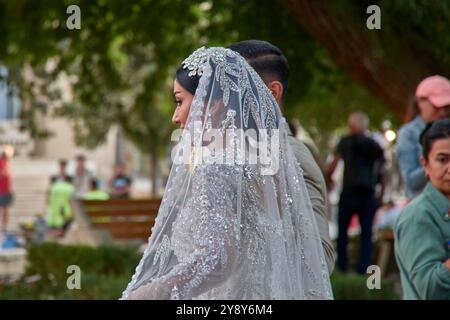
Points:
x=277 y=90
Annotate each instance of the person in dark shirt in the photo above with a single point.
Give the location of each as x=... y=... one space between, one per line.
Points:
x=363 y=170
x=62 y=175
x=120 y=183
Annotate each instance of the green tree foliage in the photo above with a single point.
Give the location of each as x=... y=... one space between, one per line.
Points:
x=389 y=62
x=123 y=58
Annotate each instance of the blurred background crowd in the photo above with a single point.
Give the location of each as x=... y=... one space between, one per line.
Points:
x=85 y=116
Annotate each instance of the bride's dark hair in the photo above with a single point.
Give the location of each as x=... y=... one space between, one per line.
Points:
x=190 y=83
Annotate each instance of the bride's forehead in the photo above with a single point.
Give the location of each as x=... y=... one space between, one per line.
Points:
x=178 y=88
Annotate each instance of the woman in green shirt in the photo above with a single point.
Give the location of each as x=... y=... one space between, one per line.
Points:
x=422 y=230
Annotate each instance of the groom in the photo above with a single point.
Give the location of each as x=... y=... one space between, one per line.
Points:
x=272 y=66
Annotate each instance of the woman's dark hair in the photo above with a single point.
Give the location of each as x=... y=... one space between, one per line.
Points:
x=434 y=131
x=190 y=83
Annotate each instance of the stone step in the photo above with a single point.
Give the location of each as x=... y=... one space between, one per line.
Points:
x=28 y=205
x=20 y=196
x=31 y=178
x=18 y=220
x=27 y=211
x=31 y=181
x=21 y=167
x=29 y=187
x=23 y=198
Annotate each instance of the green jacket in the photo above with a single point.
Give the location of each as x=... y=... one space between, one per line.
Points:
x=422 y=235
x=59 y=204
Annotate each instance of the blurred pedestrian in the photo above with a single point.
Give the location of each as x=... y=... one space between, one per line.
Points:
x=6 y=195
x=363 y=171
x=82 y=177
x=431 y=102
x=59 y=214
x=120 y=183
x=95 y=193
x=422 y=230
x=62 y=174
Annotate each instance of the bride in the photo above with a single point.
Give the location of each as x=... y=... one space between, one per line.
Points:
x=235 y=221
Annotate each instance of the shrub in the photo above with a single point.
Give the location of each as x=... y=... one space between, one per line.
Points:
x=354 y=287
x=105 y=272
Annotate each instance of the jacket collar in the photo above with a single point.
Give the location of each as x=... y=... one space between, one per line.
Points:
x=438 y=200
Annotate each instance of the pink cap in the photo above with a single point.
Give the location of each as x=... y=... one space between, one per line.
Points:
x=436 y=89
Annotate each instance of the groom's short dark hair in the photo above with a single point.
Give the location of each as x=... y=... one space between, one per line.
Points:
x=267 y=59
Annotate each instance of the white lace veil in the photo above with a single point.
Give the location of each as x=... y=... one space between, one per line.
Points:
x=235 y=221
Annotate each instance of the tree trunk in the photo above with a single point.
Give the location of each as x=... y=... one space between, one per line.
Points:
x=350 y=47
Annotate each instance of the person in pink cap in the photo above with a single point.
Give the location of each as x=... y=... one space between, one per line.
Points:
x=431 y=103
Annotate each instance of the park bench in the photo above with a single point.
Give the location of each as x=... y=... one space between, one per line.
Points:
x=118 y=219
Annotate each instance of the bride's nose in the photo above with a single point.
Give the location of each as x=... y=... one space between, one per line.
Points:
x=175 y=117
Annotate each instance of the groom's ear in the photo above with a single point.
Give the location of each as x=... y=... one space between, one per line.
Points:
x=277 y=90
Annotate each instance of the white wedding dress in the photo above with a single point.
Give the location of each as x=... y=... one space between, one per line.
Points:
x=230 y=229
